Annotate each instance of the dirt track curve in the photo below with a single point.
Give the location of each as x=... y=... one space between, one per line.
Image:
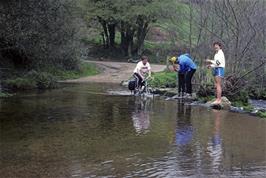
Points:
x=113 y=72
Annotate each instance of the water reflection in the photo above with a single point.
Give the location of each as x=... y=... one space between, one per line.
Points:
x=184 y=130
x=140 y=115
x=73 y=133
x=215 y=142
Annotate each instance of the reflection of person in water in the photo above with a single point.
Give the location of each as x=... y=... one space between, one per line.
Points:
x=215 y=145
x=140 y=117
x=184 y=130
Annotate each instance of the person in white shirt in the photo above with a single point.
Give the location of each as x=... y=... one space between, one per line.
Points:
x=142 y=69
x=217 y=65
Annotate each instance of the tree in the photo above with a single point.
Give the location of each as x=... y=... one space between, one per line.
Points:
x=37 y=33
x=131 y=18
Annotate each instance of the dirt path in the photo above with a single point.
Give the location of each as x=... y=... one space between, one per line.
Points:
x=113 y=72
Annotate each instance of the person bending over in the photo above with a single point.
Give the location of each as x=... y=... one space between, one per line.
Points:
x=142 y=69
x=186 y=67
x=180 y=76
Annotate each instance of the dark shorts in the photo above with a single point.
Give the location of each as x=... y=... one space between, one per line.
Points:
x=218 y=72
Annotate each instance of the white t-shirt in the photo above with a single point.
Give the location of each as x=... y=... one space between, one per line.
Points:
x=142 y=69
x=219 y=59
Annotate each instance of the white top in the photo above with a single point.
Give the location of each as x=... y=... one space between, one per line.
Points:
x=219 y=59
x=142 y=69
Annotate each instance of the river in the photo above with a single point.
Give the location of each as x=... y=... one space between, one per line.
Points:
x=98 y=130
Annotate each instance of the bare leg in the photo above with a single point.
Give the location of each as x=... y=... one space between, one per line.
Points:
x=218 y=84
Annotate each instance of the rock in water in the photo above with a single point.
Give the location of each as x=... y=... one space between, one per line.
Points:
x=225 y=104
x=216 y=106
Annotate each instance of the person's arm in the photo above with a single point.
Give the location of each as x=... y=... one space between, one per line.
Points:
x=217 y=62
x=176 y=68
x=149 y=70
x=210 y=63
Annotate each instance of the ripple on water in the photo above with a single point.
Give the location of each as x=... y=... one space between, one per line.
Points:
x=86 y=132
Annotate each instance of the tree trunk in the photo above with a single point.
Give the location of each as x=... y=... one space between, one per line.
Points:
x=190 y=26
x=129 y=40
x=141 y=34
x=111 y=30
x=127 y=35
x=105 y=32
x=123 y=44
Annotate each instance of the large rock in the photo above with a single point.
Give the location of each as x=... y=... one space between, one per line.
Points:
x=124 y=83
x=225 y=104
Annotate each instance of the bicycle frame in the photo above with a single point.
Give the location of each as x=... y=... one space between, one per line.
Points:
x=145 y=90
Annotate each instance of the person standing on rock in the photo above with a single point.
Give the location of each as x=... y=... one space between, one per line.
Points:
x=180 y=76
x=217 y=65
x=186 y=70
x=141 y=70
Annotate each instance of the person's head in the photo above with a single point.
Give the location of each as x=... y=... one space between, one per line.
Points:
x=144 y=59
x=217 y=46
x=173 y=60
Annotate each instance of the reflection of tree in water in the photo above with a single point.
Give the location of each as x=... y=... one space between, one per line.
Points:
x=140 y=115
x=215 y=145
x=184 y=130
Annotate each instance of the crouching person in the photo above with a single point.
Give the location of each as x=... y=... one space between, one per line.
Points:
x=142 y=69
x=186 y=69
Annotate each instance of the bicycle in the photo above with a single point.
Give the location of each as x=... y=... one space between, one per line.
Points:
x=145 y=89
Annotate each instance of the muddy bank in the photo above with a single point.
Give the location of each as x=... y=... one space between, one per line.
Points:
x=112 y=72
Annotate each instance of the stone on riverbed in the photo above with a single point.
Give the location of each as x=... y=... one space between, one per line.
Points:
x=124 y=83
x=225 y=104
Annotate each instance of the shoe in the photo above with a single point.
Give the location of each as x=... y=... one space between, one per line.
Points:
x=188 y=96
x=180 y=95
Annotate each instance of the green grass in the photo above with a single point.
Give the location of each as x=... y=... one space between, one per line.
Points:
x=47 y=77
x=262 y=114
x=4 y=95
x=96 y=39
x=85 y=69
x=164 y=79
x=32 y=80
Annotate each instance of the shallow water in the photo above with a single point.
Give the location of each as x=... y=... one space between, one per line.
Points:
x=102 y=131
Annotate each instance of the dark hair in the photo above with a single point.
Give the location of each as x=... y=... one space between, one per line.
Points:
x=144 y=57
x=217 y=43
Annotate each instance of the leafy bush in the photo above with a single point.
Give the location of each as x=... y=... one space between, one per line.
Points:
x=32 y=80
x=240 y=98
x=48 y=77
x=20 y=84
x=256 y=93
x=262 y=114
x=164 y=79
x=4 y=95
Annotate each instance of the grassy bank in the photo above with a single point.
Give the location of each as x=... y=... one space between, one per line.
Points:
x=262 y=114
x=164 y=79
x=46 y=78
x=167 y=79
x=4 y=95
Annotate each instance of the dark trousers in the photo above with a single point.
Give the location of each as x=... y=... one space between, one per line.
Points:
x=138 y=80
x=188 y=79
x=181 y=82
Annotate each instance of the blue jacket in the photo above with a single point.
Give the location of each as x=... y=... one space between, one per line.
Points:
x=186 y=63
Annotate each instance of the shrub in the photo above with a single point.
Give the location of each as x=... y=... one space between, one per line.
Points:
x=164 y=79
x=32 y=80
